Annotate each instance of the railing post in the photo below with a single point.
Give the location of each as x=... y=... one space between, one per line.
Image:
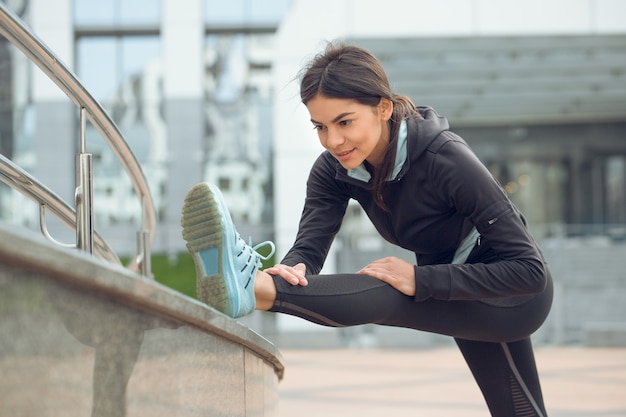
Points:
x=84 y=192
x=143 y=245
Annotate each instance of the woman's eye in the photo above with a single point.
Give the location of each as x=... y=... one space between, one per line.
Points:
x=318 y=127
x=345 y=122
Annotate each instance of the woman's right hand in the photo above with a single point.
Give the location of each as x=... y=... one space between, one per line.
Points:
x=292 y=274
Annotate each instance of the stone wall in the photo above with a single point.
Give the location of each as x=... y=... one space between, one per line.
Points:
x=78 y=337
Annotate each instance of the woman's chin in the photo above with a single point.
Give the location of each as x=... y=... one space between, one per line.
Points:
x=347 y=165
x=350 y=163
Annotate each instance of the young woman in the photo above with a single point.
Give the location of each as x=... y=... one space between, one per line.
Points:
x=479 y=275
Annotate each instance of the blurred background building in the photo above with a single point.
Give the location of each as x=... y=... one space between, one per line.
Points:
x=207 y=91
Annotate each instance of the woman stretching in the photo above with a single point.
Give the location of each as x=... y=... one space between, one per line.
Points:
x=479 y=276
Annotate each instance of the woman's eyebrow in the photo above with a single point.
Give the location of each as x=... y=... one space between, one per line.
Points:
x=336 y=119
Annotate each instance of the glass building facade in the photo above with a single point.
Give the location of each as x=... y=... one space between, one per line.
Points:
x=120 y=57
x=568 y=176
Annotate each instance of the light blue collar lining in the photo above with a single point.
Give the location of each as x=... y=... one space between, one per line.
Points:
x=362 y=174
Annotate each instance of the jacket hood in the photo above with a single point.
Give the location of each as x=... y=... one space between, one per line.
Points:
x=423 y=131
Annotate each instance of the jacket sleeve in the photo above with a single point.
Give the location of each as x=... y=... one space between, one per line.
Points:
x=513 y=265
x=324 y=209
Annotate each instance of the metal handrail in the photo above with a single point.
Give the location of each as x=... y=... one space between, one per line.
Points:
x=16 y=31
x=15 y=177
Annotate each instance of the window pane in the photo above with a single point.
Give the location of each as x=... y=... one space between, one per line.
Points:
x=105 y=63
x=615 y=189
x=138 y=53
x=123 y=74
x=140 y=11
x=238 y=111
x=216 y=11
x=107 y=12
x=89 y=11
x=97 y=66
x=244 y=11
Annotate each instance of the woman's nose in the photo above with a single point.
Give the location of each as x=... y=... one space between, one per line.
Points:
x=333 y=138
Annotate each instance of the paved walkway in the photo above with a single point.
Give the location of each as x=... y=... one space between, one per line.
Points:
x=577 y=382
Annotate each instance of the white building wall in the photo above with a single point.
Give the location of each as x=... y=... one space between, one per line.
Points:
x=311 y=23
x=182 y=34
x=182 y=37
x=52 y=23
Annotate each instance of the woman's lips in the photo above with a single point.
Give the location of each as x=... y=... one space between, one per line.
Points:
x=342 y=156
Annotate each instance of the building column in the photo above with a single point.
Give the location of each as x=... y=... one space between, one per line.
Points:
x=182 y=34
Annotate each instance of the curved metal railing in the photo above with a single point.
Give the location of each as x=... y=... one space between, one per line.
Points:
x=14 y=29
x=15 y=177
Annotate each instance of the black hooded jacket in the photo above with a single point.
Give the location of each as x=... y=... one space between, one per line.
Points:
x=441 y=192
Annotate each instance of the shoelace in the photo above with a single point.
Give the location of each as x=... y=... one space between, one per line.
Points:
x=254 y=249
x=262 y=244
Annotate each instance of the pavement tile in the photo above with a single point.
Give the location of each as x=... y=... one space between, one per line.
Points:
x=577 y=382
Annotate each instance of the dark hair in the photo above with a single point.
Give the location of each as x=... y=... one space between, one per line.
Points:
x=351 y=72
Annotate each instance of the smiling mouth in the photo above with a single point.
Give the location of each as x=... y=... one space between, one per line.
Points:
x=344 y=155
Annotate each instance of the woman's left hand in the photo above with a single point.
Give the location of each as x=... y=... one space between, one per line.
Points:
x=394 y=271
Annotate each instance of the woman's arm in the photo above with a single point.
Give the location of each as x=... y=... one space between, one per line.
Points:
x=324 y=209
x=515 y=265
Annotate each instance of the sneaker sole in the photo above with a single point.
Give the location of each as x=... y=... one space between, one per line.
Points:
x=204 y=234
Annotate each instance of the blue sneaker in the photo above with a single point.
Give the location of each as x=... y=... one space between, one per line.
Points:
x=226 y=265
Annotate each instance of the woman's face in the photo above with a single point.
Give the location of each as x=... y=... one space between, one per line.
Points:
x=352 y=132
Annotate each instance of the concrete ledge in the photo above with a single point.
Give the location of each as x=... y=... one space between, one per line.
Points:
x=80 y=336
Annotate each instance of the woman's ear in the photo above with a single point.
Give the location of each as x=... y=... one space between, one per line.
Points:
x=385 y=107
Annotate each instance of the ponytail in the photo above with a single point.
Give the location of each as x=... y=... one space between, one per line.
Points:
x=403 y=108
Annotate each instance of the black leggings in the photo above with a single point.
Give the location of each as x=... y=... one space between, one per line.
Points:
x=494 y=340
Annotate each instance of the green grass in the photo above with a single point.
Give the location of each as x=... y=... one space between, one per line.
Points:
x=178 y=273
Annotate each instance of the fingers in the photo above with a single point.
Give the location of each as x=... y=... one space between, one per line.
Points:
x=376 y=272
x=300 y=268
x=376 y=268
x=394 y=271
x=295 y=275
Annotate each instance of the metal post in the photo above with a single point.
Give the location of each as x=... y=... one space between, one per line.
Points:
x=84 y=193
x=143 y=245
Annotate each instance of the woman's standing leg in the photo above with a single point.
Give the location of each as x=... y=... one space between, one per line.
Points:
x=505 y=371
x=507 y=376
